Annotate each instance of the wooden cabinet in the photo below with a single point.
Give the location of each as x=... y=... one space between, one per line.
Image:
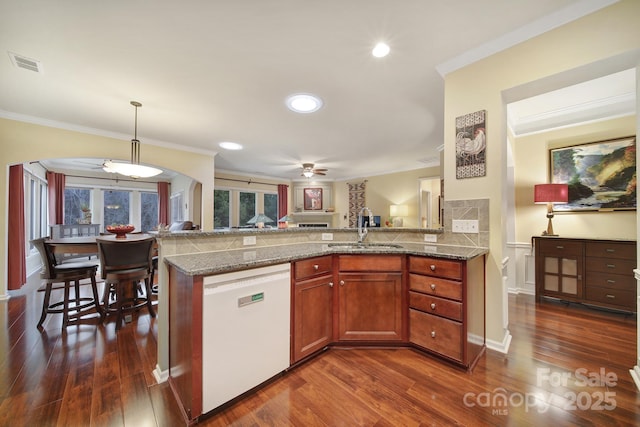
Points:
x=447 y=307
x=596 y=272
x=312 y=326
x=370 y=298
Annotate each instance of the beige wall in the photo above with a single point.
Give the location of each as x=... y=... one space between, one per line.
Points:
x=399 y=188
x=534 y=150
x=594 y=44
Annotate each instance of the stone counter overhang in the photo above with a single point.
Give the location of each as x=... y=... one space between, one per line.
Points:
x=208 y=253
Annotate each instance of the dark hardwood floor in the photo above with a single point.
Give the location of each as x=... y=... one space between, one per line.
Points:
x=93 y=376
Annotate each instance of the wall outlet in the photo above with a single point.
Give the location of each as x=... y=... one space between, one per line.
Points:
x=249 y=240
x=431 y=238
x=327 y=236
x=465 y=226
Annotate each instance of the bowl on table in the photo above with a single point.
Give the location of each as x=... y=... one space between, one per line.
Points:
x=120 y=230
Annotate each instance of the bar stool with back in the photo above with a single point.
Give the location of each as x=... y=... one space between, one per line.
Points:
x=53 y=272
x=124 y=264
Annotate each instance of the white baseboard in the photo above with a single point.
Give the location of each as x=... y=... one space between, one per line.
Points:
x=502 y=347
x=635 y=374
x=5 y=297
x=160 y=375
x=524 y=291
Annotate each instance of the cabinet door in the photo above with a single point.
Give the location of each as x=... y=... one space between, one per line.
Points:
x=562 y=275
x=313 y=316
x=370 y=306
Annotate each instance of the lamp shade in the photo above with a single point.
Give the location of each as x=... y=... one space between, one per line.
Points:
x=259 y=218
x=551 y=193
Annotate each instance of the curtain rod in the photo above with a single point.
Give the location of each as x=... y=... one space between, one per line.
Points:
x=249 y=181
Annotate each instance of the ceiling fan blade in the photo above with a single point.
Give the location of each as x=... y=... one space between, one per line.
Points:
x=319 y=173
x=320 y=170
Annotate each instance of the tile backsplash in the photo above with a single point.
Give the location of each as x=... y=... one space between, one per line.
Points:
x=476 y=209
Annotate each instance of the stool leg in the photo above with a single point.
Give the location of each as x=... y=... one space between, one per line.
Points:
x=65 y=306
x=96 y=298
x=119 y=299
x=147 y=283
x=45 y=304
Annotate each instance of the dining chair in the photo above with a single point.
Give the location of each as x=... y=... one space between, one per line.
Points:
x=54 y=272
x=124 y=265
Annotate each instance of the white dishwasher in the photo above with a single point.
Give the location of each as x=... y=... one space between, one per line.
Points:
x=245 y=331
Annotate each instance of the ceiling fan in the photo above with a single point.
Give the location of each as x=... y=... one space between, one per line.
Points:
x=308 y=170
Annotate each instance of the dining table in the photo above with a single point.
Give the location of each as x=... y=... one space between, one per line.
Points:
x=87 y=244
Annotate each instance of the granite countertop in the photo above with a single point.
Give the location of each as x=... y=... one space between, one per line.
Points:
x=207 y=263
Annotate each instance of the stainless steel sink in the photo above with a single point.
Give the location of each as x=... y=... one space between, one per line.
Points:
x=354 y=245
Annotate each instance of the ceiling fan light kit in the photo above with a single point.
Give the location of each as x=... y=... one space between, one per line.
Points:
x=132 y=169
x=308 y=170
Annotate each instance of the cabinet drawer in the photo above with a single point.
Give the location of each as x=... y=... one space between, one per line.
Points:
x=436 y=267
x=611 y=250
x=611 y=281
x=619 y=297
x=610 y=265
x=559 y=248
x=312 y=267
x=370 y=262
x=434 y=305
x=435 y=286
x=436 y=333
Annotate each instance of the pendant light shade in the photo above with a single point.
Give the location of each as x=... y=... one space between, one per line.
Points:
x=132 y=169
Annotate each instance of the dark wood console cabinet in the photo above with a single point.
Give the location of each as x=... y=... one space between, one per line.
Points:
x=589 y=271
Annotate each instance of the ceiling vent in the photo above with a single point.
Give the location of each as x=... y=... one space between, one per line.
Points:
x=26 y=63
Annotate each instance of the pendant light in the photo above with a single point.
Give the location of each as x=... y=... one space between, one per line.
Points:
x=132 y=169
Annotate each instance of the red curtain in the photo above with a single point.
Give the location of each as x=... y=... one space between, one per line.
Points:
x=56 y=182
x=163 y=203
x=17 y=265
x=282 y=200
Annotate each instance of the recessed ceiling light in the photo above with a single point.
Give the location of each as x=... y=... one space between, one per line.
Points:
x=304 y=103
x=230 y=145
x=381 y=50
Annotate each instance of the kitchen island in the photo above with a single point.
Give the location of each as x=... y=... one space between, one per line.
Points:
x=395 y=291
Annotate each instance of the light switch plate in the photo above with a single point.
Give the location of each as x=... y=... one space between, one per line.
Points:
x=469 y=226
x=327 y=236
x=431 y=238
x=249 y=240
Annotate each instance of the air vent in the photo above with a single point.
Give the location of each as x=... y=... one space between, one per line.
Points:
x=25 y=63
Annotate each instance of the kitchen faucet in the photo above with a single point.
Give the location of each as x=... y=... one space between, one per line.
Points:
x=362 y=227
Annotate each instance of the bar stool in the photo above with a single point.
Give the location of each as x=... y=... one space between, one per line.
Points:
x=124 y=264
x=71 y=308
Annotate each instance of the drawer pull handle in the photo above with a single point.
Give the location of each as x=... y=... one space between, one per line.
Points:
x=316 y=267
x=433 y=334
x=559 y=247
x=432 y=267
x=611 y=296
x=331 y=284
x=611 y=266
x=433 y=306
x=610 y=250
x=611 y=281
x=433 y=286
x=341 y=282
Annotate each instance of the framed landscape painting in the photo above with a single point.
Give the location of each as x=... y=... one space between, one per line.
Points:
x=600 y=175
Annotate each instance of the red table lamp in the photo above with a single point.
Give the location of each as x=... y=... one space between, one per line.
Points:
x=550 y=194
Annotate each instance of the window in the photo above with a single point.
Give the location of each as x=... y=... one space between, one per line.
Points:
x=247 y=207
x=176 y=207
x=36 y=208
x=116 y=207
x=221 y=211
x=271 y=207
x=148 y=211
x=74 y=200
